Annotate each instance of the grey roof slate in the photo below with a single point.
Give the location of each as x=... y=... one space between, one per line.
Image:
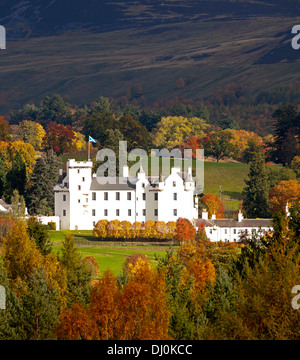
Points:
x=265 y=223
x=110 y=185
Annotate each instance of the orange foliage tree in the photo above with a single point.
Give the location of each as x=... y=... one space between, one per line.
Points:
x=144 y=314
x=214 y=205
x=104 y=305
x=19 y=252
x=138 y=311
x=76 y=324
x=287 y=191
x=185 y=230
x=100 y=229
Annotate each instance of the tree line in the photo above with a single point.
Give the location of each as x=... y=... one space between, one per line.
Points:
x=203 y=290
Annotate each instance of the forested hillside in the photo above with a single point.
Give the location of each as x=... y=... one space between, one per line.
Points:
x=151 y=52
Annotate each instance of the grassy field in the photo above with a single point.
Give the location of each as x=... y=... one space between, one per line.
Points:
x=108 y=255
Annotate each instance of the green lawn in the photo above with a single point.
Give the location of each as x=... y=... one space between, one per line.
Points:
x=108 y=255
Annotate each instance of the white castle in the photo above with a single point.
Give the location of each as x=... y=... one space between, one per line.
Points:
x=81 y=200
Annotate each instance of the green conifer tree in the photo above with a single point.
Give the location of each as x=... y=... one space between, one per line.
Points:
x=256 y=192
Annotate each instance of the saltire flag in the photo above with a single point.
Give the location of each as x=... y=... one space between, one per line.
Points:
x=92 y=140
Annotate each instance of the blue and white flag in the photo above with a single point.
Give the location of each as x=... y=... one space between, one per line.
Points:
x=92 y=140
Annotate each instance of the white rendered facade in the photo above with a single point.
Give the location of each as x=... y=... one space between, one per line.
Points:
x=81 y=201
x=229 y=230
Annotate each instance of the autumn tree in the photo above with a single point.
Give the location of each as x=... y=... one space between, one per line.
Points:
x=214 y=205
x=173 y=130
x=8 y=153
x=100 y=229
x=5 y=129
x=219 y=145
x=32 y=133
x=149 y=230
x=19 y=252
x=185 y=230
x=75 y=323
x=59 y=138
x=242 y=139
x=285 y=193
x=104 y=308
x=194 y=143
x=143 y=311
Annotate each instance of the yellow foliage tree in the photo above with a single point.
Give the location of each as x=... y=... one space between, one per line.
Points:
x=171 y=229
x=136 y=229
x=27 y=153
x=127 y=229
x=100 y=230
x=149 y=230
x=114 y=229
x=161 y=230
x=32 y=133
x=79 y=142
x=19 y=252
x=171 y=131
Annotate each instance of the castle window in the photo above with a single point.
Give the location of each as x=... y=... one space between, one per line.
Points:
x=175 y=196
x=117 y=196
x=93 y=212
x=78 y=171
x=155 y=212
x=144 y=212
x=106 y=196
x=64 y=197
x=79 y=187
x=129 y=196
x=144 y=196
x=129 y=212
x=174 y=183
x=93 y=196
x=156 y=196
x=83 y=179
x=64 y=212
x=78 y=201
x=94 y=223
x=175 y=212
x=234 y=231
x=117 y=212
x=105 y=212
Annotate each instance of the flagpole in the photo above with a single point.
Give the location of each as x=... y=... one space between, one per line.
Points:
x=89 y=150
